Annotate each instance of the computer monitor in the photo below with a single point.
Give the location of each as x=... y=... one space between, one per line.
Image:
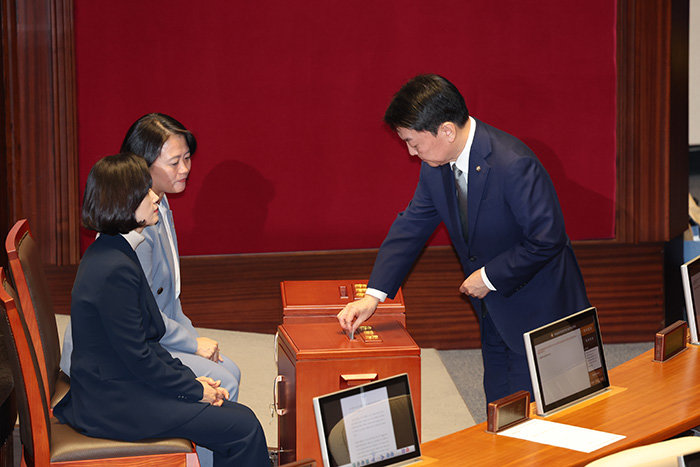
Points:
x=566 y=361
x=690 y=273
x=369 y=425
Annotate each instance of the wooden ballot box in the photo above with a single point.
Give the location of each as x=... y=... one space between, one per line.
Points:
x=317 y=357
x=322 y=300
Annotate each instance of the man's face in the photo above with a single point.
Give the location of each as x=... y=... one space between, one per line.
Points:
x=434 y=150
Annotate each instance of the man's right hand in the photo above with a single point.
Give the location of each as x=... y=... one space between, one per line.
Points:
x=357 y=312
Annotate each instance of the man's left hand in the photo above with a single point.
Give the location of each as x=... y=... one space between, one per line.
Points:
x=474 y=286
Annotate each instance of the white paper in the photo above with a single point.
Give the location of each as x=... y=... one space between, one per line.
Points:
x=561 y=435
x=368 y=426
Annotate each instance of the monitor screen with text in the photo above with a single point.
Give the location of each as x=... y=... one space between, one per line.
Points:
x=566 y=361
x=690 y=273
x=368 y=425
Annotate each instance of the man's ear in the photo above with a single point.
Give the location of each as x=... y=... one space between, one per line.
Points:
x=448 y=130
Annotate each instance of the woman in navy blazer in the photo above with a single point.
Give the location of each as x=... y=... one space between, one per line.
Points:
x=124 y=384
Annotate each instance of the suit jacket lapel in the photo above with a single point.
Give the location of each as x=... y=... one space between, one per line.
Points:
x=163 y=236
x=165 y=247
x=448 y=182
x=478 y=172
x=165 y=243
x=122 y=245
x=452 y=222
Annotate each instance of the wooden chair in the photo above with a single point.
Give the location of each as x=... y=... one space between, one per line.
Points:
x=36 y=307
x=46 y=441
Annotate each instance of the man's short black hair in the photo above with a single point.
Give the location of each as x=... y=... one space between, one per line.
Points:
x=426 y=102
x=114 y=190
x=149 y=133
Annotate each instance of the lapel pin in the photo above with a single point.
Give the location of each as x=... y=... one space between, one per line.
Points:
x=478 y=168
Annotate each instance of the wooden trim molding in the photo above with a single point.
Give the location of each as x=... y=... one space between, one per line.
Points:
x=40 y=123
x=242 y=292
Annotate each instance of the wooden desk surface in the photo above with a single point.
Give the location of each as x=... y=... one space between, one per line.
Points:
x=660 y=400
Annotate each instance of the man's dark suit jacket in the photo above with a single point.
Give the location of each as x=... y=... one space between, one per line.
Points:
x=516 y=230
x=124 y=385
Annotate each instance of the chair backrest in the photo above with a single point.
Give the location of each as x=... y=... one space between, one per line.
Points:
x=32 y=404
x=35 y=301
x=37 y=428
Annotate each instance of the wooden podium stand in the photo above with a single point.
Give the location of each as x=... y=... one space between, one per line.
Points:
x=315 y=357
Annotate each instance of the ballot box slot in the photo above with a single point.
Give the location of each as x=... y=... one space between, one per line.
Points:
x=350 y=380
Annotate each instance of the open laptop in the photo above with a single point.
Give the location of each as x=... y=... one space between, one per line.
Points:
x=369 y=425
x=566 y=361
x=690 y=273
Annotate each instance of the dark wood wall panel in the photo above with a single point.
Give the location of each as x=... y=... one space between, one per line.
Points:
x=65 y=128
x=652 y=123
x=626 y=284
x=241 y=292
x=8 y=196
x=40 y=154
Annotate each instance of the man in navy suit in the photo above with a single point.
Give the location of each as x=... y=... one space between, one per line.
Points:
x=506 y=226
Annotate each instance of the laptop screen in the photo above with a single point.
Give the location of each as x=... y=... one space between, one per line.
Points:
x=566 y=361
x=690 y=272
x=368 y=425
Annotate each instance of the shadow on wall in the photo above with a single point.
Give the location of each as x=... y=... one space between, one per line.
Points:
x=233 y=224
x=586 y=212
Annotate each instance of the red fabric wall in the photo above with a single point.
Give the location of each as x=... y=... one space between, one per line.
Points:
x=286 y=99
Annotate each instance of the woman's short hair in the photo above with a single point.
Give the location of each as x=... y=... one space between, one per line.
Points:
x=149 y=133
x=424 y=103
x=115 y=188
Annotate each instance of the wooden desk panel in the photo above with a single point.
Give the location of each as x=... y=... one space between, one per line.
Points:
x=316 y=358
x=660 y=401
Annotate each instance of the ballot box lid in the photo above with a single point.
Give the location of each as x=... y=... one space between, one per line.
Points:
x=327 y=340
x=330 y=296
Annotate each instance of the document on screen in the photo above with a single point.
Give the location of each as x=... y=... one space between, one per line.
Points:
x=368 y=425
x=563 y=366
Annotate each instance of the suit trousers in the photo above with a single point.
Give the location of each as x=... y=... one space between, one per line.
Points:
x=231 y=431
x=226 y=371
x=505 y=371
